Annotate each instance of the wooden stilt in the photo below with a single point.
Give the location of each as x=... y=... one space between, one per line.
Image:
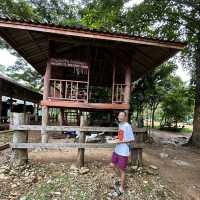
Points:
x=36 y=112
x=47 y=76
x=136 y=156
x=44 y=134
x=81 y=151
x=19 y=156
x=0 y=107
x=127 y=91
x=61 y=116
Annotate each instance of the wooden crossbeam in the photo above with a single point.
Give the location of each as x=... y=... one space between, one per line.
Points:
x=65 y=128
x=59 y=145
x=4 y=146
x=6 y=131
x=64 y=145
x=69 y=128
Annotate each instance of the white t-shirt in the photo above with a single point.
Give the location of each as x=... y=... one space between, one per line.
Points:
x=125 y=134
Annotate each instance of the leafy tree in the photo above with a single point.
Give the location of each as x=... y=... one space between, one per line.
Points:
x=177 y=104
x=174 y=19
x=55 y=11
x=104 y=14
x=150 y=91
x=22 y=71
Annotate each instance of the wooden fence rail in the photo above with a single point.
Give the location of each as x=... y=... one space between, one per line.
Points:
x=59 y=145
x=71 y=128
x=64 y=128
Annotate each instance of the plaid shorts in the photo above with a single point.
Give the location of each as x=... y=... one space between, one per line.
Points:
x=120 y=161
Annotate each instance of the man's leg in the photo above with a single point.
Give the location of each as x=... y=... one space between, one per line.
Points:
x=115 y=171
x=122 y=177
x=123 y=162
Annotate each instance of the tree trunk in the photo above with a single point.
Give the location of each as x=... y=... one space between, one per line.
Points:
x=152 y=118
x=195 y=139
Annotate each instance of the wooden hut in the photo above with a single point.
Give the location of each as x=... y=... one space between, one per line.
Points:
x=78 y=63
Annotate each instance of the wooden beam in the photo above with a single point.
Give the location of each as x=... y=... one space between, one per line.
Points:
x=1 y=106
x=4 y=146
x=58 y=145
x=47 y=77
x=88 y=34
x=127 y=91
x=6 y=131
x=81 y=105
x=19 y=156
x=64 y=145
x=64 y=128
x=81 y=151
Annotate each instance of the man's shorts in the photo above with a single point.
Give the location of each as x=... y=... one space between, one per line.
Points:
x=120 y=161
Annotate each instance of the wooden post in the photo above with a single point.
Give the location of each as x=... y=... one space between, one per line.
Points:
x=127 y=90
x=113 y=86
x=47 y=76
x=0 y=107
x=63 y=89
x=19 y=156
x=44 y=134
x=81 y=151
x=136 y=156
x=36 y=112
x=62 y=116
x=1 y=87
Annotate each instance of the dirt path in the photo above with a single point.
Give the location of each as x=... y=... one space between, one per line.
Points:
x=179 y=166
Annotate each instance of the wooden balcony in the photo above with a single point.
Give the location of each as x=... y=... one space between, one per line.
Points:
x=75 y=94
x=68 y=90
x=118 y=93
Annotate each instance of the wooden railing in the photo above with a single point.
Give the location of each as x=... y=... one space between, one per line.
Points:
x=68 y=90
x=118 y=93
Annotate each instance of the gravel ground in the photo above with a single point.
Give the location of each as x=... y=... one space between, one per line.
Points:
x=57 y=181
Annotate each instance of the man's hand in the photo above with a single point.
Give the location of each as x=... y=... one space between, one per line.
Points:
x=115 y=141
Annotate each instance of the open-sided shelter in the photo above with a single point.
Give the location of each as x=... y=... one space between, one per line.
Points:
x=80 y=64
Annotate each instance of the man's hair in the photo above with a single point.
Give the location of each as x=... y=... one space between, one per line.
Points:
x=123 y=112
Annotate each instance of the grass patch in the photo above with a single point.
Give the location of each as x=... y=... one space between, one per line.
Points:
x=147 y=189
x=48 y=190
x=59 y=187
x=187 y=130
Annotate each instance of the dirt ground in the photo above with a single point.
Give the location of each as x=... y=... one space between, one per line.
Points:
x=178 y=165
x=178 y=171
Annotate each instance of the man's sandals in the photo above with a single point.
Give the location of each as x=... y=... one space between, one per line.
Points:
x=117 y=191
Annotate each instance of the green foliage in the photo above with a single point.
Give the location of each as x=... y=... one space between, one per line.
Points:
x=151 y=90
x=177 y=104
x=104 y=15
x=22 y=71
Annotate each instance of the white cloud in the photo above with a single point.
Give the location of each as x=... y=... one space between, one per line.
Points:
x=132 y=2
x=182 y=73
x=6 y=58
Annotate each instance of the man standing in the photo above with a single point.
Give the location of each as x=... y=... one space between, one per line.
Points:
x=121 y=152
